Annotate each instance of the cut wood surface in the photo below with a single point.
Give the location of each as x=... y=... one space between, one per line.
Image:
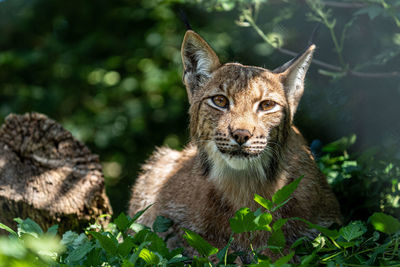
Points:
x=48 y=175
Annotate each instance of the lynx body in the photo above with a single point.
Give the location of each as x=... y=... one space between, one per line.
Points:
x=243 y=142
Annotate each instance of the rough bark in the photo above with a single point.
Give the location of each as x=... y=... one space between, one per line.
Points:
x=48 y=175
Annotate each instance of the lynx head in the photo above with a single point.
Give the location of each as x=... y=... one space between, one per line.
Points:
x=240 y=115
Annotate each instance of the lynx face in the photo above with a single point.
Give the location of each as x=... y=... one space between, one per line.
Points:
x=240 y=115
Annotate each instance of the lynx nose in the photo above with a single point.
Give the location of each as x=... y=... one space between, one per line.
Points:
x=241 y=136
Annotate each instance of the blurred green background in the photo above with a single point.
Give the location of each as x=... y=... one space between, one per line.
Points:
x=110 y=72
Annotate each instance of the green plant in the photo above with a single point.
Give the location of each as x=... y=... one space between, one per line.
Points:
x=373 y=176
x=30 y=245
x=321 y=12
x=126 y=243
x=95 y=247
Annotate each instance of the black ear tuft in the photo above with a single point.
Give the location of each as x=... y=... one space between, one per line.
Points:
x=184 y=18
x=314 y=34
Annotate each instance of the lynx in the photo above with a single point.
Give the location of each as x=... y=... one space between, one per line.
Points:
x=243 y=142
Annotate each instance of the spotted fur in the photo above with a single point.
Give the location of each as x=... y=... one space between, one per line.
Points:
x=202 y=186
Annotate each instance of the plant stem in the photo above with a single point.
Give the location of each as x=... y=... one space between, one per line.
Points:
x=252 y=250
x=336 y=244
x=391 y=13
x=331 y=27
x=251 y=247
x=256 y=28
x=332 y=256
x=337 y=47
x=319 y=62
x=361 y=252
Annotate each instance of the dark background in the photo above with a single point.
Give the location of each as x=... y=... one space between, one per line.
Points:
x=110 y=72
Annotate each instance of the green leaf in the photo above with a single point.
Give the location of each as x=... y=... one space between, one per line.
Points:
x=277 y=239
x=226 y=5
x=12 y=247
x=46 y=247
x=177 y=258
x=135 y=256
x=263 y=260
x=385 y=223
x=262 y=221
x=341 y=144
x=279 y=223
x=280 y=205
x=108 y=243
x=200 y=262
x=28 y=226
x=197 y=242
x=375 y=236
x=125 y=247
x=223 y=253
x=122 y=222
x=149 y=257
x=258 y=212
x=298 y=242
x=52 y=231
x=8 y=229
x=284 y=193
x=283 y=260
x=174 y=252
x=378 y=250
x=319 y=242
x=305 y=261
x=161 y=224
x=243 y=221
x=139 y=213
x=127 y=263
x=346 y=244
x=352 y=230
x=68 y=238
x=157 y=244
x=78 y=246
x=81 y=239
x=264 y=202
x=94 y=257
x=79 y=253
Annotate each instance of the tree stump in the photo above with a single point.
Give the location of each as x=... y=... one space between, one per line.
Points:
x=48 y=175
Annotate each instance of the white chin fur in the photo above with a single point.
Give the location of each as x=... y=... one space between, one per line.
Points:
x=234 y=169
x=225 y=163
x=237 y=163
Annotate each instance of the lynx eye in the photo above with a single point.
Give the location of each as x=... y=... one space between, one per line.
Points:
x=220 y=101
x=267 y=105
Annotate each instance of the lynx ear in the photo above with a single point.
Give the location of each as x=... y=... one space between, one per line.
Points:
x=199 y=61
x=292 y=74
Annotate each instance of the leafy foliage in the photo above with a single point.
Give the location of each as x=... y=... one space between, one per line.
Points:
x=356 y=243
x=385 y=223
x=373 y=180
x=30 y=246
x=202 y=246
